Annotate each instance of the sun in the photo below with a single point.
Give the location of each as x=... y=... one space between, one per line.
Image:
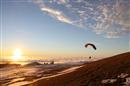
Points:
x=17 y=54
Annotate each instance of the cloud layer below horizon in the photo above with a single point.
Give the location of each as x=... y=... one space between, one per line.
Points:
x=110 y=18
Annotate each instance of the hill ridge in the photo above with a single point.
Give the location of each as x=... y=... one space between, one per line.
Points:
x=91 y=74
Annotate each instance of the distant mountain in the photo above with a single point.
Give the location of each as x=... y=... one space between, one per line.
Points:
x=33 y=64
x=94 y=73
x=9 y=65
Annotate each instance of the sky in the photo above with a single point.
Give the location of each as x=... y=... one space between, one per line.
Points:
x=61 y=28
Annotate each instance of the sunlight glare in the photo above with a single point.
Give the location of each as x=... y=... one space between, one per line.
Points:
x=17 y=54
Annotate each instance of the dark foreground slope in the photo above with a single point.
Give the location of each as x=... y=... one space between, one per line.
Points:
x=91 y=74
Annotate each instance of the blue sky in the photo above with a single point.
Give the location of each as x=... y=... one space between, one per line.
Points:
x=40 y=32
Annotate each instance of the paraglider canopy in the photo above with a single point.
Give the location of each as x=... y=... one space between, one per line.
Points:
x=90 y=44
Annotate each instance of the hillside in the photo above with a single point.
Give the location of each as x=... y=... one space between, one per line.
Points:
x=92 y=74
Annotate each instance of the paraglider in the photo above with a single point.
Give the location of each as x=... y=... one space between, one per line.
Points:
x=90 y=44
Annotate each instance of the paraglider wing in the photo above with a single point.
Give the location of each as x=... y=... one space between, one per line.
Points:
x=89 y=44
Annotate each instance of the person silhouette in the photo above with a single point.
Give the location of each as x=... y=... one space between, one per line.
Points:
x=90 y=57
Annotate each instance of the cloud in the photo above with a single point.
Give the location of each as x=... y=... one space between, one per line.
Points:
x=57 y=14
x=109 y=18
x=51 y=11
